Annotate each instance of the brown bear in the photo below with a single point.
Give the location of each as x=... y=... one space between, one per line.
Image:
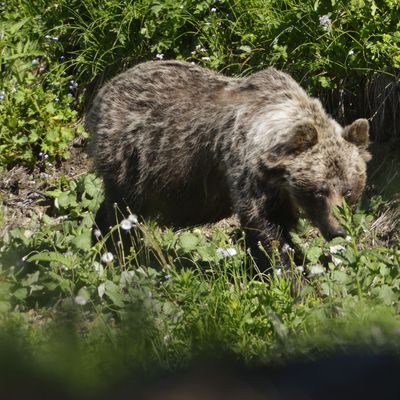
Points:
x=190 y=146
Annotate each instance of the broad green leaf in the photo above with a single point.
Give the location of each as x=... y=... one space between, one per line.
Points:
x=51 y=256
x=188 y=241
x=83 y=241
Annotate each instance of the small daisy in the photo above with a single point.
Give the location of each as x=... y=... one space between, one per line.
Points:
x=337 y=249
x=80 y=300
x=324 y=20
x=107 y=258
x=229 y=252
x=97 y=233
x=133 y=218
x=126 y=224
x=28 y=234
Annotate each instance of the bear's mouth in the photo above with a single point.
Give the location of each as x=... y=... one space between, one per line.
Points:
x=330 y=232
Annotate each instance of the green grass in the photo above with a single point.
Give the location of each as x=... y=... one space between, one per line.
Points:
x=176 y=297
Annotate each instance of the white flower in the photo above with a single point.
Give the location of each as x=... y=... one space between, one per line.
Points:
x=133 y=219
x=35 y=61
x=28 y=234
x=213 y=10
x=351 y=52
x=205 y=58
x=97 y=233
x=126 y=224
x=300 y=269
x=337 y=249
x=324 y=20
x=229 y=252
x=336 y=261
x=278 y=272
x=160 y=56
x=80 y=300
x=101 y=289
x=107 y=258
x=167 y=339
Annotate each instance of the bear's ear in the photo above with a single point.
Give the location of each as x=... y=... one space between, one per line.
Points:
x=358 y=134
x=303 y=136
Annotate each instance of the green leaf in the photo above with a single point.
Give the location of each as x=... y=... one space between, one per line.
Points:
x=90 y=186
x=67 y=200
x=51 y=256
x=21 y=293
x=113 y=292
x=188 y=241
x=83 y=241
x=314 y=253
x=31 y=279
x=340 y=276
x=4 y=306
x=317 y=269
x=5 y=290
x=386 y=294
x=50 y=108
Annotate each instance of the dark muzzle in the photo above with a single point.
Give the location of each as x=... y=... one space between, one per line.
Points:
x=336 y=232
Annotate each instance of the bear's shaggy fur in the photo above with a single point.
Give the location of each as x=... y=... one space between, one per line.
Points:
x=190 y=146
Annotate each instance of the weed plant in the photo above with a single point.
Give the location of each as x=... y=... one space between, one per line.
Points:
x=193 y=287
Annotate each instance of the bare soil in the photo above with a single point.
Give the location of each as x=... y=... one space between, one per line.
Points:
x=23 y=192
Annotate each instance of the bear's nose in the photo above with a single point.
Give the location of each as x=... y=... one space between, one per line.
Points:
x=336 y=232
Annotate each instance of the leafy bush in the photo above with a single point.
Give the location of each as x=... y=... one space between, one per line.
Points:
x=37 y=101
x=333 y=48
x=321 y=43
x=188 y=282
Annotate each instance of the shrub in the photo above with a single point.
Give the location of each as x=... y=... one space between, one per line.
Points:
x=37 y=97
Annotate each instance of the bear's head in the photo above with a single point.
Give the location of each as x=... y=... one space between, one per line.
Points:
x=322 y=166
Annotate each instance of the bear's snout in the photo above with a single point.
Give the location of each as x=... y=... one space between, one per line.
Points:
x=335 y=232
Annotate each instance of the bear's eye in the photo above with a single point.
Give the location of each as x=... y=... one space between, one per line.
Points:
x=320 y=194
x=347 y=194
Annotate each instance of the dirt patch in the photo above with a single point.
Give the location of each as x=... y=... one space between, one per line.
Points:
x=23 y=192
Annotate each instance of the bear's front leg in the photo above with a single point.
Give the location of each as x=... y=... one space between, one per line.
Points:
x=267 y=221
